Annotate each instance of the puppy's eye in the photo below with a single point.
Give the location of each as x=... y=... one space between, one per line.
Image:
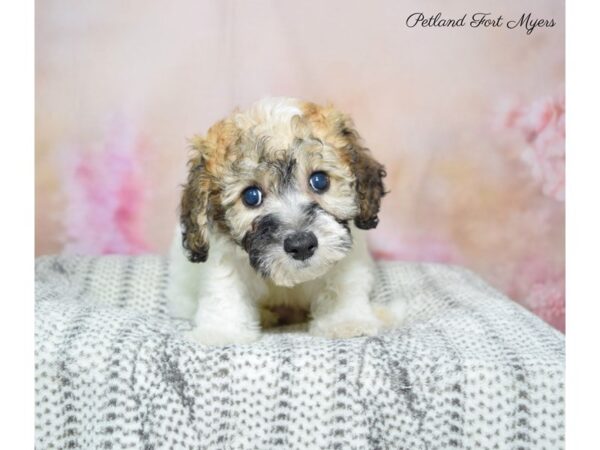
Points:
x=252 y=196
x=319 y=181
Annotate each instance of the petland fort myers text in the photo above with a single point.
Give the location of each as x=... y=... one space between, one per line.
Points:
x=527 y=21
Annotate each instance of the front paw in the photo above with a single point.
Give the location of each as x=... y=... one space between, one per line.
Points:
x=342 y=328
x=221 y=337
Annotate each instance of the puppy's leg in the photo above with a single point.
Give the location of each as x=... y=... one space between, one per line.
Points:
x=342 y=309
x=227 y=312
x=182 y=287
x=214 y=295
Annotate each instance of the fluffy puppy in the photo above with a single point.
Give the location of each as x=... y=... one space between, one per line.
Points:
x=275 y=205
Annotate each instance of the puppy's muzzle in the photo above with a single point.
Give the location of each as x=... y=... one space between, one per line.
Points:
x=301 y=245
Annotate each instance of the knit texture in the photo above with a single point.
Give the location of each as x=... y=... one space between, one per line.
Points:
x=469 y=369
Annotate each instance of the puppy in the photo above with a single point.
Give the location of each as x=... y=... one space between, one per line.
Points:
x=272 y=215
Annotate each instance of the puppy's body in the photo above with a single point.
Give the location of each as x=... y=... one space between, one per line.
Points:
x=280 y=195
x=224 y=296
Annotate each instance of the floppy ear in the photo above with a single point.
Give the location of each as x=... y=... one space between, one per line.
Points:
x=193 y=211
x=369 y=177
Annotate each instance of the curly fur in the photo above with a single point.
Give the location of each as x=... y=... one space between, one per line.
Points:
x=276 y=145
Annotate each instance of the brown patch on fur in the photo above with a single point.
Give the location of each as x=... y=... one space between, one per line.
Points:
x=193 y=210
x=338 y=129
x=200 y=201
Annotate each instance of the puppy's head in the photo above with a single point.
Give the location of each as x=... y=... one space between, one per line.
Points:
x=282 y=180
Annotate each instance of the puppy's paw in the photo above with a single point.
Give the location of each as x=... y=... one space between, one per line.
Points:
x=221 y=337
x=343 y=328
x=391 y=314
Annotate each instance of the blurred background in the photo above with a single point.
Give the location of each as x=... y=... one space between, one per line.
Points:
x=469 y=122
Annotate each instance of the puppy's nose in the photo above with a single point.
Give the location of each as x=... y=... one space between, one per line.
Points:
x=301 y=245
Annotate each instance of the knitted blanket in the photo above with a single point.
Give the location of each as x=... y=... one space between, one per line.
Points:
x=469 y=369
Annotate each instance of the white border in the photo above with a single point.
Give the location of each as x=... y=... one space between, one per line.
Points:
x=583 y=225
x=16 y=315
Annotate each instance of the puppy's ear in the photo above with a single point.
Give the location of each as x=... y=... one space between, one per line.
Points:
x=194 y=208
x=369 y=176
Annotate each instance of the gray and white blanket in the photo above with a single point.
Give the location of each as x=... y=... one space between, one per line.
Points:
x=469 y=369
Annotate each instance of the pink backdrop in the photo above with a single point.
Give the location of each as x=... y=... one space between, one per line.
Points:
x=469 y=122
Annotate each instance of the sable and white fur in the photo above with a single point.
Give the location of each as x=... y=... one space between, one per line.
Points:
x=229 y=271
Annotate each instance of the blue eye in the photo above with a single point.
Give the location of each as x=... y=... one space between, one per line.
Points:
x=319 y=181
x=252 y=196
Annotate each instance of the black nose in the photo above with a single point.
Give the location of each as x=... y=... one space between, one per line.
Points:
x=301 y=245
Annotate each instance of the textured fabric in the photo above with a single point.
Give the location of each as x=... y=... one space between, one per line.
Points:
x=469 y=369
